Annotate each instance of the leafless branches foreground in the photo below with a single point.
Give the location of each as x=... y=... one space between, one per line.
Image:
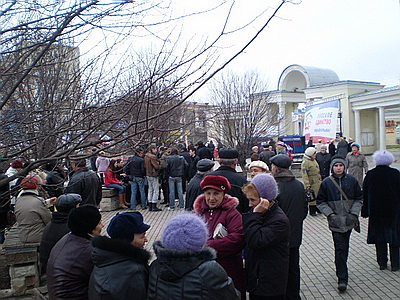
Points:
x=81 y=74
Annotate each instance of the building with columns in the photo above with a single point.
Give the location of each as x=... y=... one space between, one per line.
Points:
x=368 y=112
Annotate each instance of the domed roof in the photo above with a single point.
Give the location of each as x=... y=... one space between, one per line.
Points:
x=296 y=77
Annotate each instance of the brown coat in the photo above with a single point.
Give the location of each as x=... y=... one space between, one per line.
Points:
x=151 y=164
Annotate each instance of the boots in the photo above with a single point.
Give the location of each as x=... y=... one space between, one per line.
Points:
x=121 y=198
x=124 y=201
x=313 y=210
x=153 y=207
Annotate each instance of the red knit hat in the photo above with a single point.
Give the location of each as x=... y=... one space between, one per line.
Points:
x=29 y=183
x=17 y=164
x=219 y=183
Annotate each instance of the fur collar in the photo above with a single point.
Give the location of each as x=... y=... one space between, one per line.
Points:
x=284 y=175
x=166 y=254
x=228 y=203
x=121 y=247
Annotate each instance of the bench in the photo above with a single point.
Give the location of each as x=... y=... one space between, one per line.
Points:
x=109 y=199
x=19 y=263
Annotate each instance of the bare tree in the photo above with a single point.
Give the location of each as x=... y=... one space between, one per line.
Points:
x=240 y=119
x=118 y=98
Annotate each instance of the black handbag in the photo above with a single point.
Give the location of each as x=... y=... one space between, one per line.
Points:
x=310 y=195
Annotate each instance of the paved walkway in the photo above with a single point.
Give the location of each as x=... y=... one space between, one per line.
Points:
x=318 y=278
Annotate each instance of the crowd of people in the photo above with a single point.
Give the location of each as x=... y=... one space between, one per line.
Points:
x=233 y=235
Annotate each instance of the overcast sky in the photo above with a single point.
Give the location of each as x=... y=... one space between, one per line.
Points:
x=358 y=39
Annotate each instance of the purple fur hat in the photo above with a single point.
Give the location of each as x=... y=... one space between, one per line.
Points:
x=383 y=158
x=266 y=186
x=185 y=232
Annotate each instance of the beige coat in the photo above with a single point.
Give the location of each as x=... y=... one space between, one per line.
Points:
x=32 y=216
x=310 y=175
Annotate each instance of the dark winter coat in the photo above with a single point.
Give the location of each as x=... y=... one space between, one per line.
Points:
x=193 y=191
x=54 y=184
x=267 y=252
x=120 y=270
x=69 y=268
x=188 y=275
x=176 y=165
x=229 y=248
x=332 y=149
x=4 y=202
x=330 y=200
x=237 y=182
x=381 y=190
x=192 y=170
x=292 y=200
x=52 y=233
x=135 y=167
x=324 y=162
x=204 y=152
x=86 y=183
x=342 y=148
x=266 y=155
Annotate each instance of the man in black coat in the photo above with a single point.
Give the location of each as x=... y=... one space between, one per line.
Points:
x=58 y=226
x=194 y=190
x=323 y=159
x=228 y=159
x=292 y=200
x=85 y=182
x=266 y=155
x=136 y=172
x=203 y=151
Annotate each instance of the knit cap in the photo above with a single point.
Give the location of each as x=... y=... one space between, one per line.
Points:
x=185 y=232
x=310 y=151
x=266 y=186
x=337 y=159
x=383 y=158
x=83 y=219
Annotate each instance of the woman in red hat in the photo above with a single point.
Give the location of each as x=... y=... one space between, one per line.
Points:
x=225 y=226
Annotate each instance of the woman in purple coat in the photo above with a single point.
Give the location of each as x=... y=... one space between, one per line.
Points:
x=225 y=226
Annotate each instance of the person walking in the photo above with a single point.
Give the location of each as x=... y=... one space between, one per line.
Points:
x=185 y=267
x=266 y=231
x=311 y=177
x=340 y=200
x=342 y=147
x=152 y=165
x=356 y=163
x=292 y=200
x=120 y=262
x=323 y=159
x=381 y=190
x=332 y=148
x=136 y=171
